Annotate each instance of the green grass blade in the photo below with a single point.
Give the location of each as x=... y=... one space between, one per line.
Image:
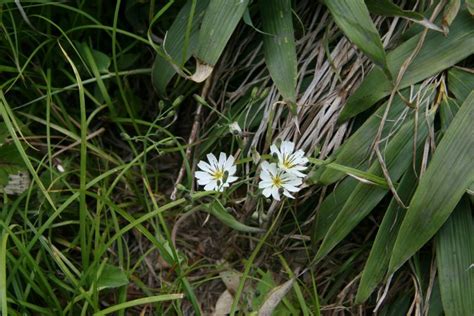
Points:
x=379 y=257
x=454 y=255
x=364 y=198
x=175 y=47
x=356 y=149
x=219 y=22
x=438 y=53
x=461 y=83
x=140 y=301
x=354 y=20
x=279 y=45
x=449 y=174
x=3 y=273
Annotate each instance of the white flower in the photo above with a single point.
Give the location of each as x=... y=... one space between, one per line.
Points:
x=274 y=180
x=217 y=174
x=291 y=162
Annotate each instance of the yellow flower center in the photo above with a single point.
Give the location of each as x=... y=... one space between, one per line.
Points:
x=287 y=163
x=218 y=174
x=277 y=181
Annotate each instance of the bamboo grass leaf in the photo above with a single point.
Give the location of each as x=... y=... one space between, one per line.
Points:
x=174 y=45
x=438 y=53
x=356 y=149
x=354 y=20
x=364 y=198
x=379 y=257
x=454 y=255
x=279 y=45
x=219 y=22
x=461 y=83
x=449 y=174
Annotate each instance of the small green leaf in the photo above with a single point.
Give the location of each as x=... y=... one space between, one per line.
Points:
x=111 y=277
x=279 y=45
x=454 y=257
x=218 y=210
x=447 y=177
x=101 y=60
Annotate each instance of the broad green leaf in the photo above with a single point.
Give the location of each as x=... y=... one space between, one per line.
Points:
x=354 y=20
x=279 y=45
x=175 y=45
x=437 y=53
x=379 y=257
x=447 y=177
x=331 y=207
x=218 y=210
x=357 y=148
x=398 y=156
x=454 y=257
x=388 y=8
x=460 y=83
x=219 y=22
x=111 y=277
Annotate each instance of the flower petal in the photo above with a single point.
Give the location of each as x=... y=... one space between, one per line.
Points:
x=211 y=186
x=264 y=184
x=222 y=160
x=287 y=147
x=286 y=193
x=276 y=194
x=267 y=192
x=202 y=175
x=232 y=179
x=213 y=161
x=229 y=163
x=205 y=166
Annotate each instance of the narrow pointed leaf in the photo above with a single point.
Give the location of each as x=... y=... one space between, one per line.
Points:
x=454 y=257
x=388 y=8
x=175 y=46
x=437 y=53
x=364 y=198
x=354 y=20
x=219 y=22
x=449 y=174
x=279 y=45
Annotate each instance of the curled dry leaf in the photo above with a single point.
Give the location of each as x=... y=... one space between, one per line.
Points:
x=203 y=71
x=274 y=298
x=223 y=304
